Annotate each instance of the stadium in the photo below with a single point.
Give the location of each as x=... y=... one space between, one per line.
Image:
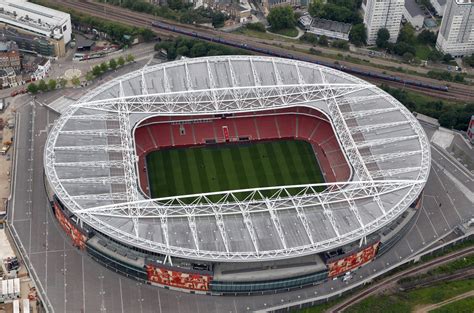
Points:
x=236 y=174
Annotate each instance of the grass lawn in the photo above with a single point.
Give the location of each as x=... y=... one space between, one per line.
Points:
x=422 y=51
x=465 y=305
x=289 y=32
x=228 y=167
x=401 y=302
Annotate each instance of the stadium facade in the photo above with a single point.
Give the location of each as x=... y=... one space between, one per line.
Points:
x=374 y=156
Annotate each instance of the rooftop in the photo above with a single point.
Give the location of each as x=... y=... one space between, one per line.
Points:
x=413 y=8
x=32 y=14
x=307 y=20
x=88 y=156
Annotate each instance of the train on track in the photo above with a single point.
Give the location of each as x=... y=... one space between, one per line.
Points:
x=340 y=67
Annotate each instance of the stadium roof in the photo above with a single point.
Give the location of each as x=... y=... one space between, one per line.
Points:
x=90 y=160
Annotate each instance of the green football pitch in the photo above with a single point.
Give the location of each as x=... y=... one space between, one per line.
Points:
x=181 y=171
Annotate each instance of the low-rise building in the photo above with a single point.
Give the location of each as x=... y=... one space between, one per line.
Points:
x=323 y=27
x=239 y=11
x=42 y=70
x=413 y=14
x=31 y=43
x=270 y=4
x=8 y=78
x=9 y=55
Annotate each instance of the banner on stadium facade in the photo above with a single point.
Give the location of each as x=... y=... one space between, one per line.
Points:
x=78 y=238
x=177 y=279
x=352 y=261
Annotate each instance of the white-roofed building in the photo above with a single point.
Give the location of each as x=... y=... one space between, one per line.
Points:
x=376 y=160
x=37 y=19
x=323 y=27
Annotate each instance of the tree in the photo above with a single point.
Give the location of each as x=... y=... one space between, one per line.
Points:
x=358 y=35
x=447 y=58
x=198 y=50
x=323 y=41
x=113 y=64
x=402 y=47
x=76 y=81
x=340 y=44
x=218 y=19
x=469 y=60
x=147 y=34
x=96 y=70
x=316 y=8
x=62 y=82
x=104 y=67
x=448 y=118
x=281 y=18
x=42 y=86
x=130 y=58
x=435 y=55
x=121 y=61
x=407 y=35
x=32 y=88
x=183 y=50
x=52 y=84
x=89 y=76
x=382 y=38
x=427 y=37
x=408 y=56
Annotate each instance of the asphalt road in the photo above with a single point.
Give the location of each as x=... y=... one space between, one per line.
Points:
x=75 y=283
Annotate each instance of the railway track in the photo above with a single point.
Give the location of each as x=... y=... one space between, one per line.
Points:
x=456 y=92
x=393 y=279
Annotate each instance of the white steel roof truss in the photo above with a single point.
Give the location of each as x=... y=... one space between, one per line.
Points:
x=276 y=222
x=236 y=99
x=301 y=216
x=364 y=113
x=384 y=141
x=395 y=171
x=101 y=164
x=102 y=196
x=248 y=222
x=372 y=127
x=389 y=156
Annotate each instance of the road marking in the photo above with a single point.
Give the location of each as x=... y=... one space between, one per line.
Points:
x=450 y=161
x=159 y=298
x=444 y=187
x=18 y=125
x=442 y=214
x=419 y=232
x=121 y=294
x=408 y=244
x=84 y=288
x=429 y=219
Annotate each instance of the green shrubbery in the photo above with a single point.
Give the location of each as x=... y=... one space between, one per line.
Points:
x=112 y=64
x=259 y=27
x=448 y=115
x=178 y=10
x=194 y=48
x=447 y=76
